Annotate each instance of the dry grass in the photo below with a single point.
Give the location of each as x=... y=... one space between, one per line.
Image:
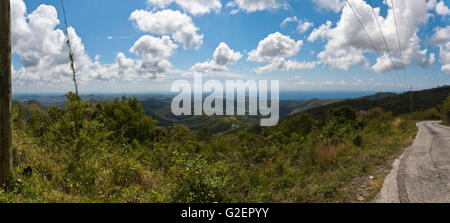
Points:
x=396 y=123
x=326 y=153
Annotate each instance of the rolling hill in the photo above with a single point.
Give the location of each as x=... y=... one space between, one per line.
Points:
x=158 y=107
x=395 y=103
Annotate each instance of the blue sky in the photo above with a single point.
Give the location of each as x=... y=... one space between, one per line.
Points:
x=105 y=29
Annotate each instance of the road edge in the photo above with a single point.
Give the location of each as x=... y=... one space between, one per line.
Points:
x=390 y=191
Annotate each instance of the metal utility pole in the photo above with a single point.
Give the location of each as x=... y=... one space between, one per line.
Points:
x=5 y=92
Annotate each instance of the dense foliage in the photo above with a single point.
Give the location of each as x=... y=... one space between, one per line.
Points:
x=445 y=112
x=112 y=152
x=397 y=104
x=159 y=109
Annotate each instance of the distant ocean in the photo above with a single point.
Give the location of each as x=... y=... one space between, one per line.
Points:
x=302 y=95
x=284 y=95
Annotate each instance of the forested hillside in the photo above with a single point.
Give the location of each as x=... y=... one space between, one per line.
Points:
x=113 y=152
x=397 y=104
x=158 y=107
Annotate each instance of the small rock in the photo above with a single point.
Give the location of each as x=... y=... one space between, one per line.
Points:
x=371 y=177
x=360 y=198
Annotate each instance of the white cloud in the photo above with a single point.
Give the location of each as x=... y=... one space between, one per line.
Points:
x=166 y=22
x=45 y=57
x=151 y=64
x=254 y=5
x=222 y=57
x=42 y=48
x=323 y=32
x=441 y=35
x=341 y=58
x=274 y=49
x=335 y=5
x=303 y=25
x=153 y=52
x=275 y=46
x=151 y=48
x=431 y=4
x=441 y=38
x=442 y=9
x=123 y=62
x=347 y=42
x=354 y=82
x=208 y=67
x=289 y=19
x=195 y=7
x=283 y=65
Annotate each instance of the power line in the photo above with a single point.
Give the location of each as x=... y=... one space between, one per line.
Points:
x=398 y=38
x=72 y=67
x=373 y=45
x=401 y=52
x=384 y=39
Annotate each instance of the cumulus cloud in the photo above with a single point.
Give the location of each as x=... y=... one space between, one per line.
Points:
x=347 y=42
x=123 y=67
x=288 y=20
x=169 y=22
x=152 y=48
x=44 y=55
x=275 y=46
x=334 y=5
x=322 y=32
x=254 y=5
x=195 y=7
x=274 y=49
x=151 y=64
x=42 y=48
x=153 y=52
x=222 y=57
x=282 y=65
x=303 y=25
x=442 y=9
x=441 y=38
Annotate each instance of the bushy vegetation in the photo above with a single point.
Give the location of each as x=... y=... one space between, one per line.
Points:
x=445 y=112
x=113 y=152
x=397 y=104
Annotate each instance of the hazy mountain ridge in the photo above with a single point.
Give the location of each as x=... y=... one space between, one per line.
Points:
x=158 y=107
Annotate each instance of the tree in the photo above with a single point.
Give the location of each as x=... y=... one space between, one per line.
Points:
x=445 y=111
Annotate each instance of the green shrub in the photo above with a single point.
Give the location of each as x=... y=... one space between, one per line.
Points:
x=127 y=120
x=301 y=125
x=113 y=152
x=198 y=181
x=445 y=111
x=430 y=114
x=357 y=140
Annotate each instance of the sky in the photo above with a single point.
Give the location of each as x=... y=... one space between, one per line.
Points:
x=140 y=46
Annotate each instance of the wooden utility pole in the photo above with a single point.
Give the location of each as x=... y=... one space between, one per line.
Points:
x=5 y=92
x=411 y=100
